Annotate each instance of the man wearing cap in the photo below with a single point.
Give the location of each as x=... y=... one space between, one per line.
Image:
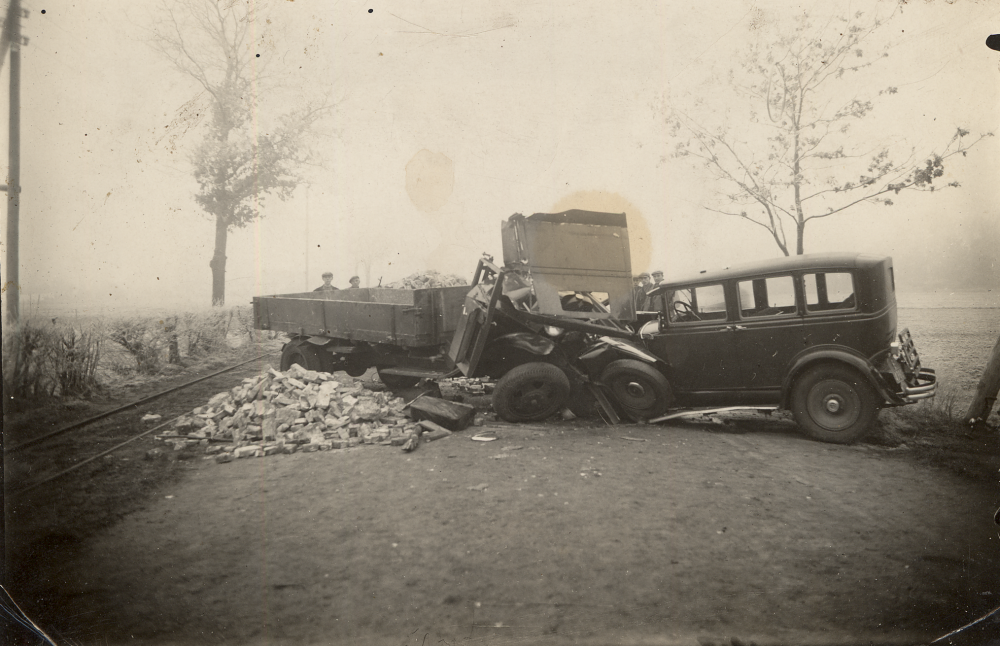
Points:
x=658 y=302
x=326 y=286
x=640 y=283
x=355 y=283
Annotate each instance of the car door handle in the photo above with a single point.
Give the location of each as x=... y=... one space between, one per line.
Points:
x=733 y=328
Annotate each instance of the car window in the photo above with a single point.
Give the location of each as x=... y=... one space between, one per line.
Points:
x=767 y=297
x=703 y=303
x=829 y=291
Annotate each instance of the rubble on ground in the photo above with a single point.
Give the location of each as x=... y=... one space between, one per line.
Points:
x=472 y=385
x=297 y=410
x=426 y=279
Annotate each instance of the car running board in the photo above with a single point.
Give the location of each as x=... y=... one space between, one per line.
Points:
x=708 y=411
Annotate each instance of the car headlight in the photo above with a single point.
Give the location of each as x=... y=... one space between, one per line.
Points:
x=552 y=330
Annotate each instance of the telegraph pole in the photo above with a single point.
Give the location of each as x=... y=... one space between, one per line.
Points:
x=11 y=284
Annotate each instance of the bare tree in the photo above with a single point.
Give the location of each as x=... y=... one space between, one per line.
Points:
x=237 y=164
x=796 y=156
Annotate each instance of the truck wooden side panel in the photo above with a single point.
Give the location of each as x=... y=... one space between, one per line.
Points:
x=402 y=317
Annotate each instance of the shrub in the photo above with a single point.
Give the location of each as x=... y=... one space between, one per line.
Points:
x=206 y=331
x=27 y=366
x=142 y=339
x=75 y=357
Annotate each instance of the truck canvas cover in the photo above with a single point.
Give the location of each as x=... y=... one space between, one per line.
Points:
x=572 y=251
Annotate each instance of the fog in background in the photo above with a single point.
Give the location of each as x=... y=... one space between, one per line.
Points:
x=449 y=118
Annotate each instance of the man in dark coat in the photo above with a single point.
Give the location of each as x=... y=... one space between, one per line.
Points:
x=326 y=286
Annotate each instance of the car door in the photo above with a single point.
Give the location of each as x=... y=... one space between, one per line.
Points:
x=698 y=342
x=769 y=333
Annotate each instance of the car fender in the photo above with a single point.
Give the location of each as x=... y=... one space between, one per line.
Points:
x=509 y=350
x=841 y=354
x=631 y=349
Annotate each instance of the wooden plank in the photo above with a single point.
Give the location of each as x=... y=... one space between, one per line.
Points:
x=451 y=415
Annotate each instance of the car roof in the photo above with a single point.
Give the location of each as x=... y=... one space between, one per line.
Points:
x=827 y=261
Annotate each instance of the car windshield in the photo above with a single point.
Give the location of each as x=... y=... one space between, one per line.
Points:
x=702 y=303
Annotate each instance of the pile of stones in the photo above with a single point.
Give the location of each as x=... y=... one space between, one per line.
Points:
x=426 y=279
x=296 y=410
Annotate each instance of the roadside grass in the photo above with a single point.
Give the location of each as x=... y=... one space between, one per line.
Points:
x=46 y=362
x=937 y=434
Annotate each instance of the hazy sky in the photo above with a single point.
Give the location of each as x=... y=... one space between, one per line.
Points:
x=495 y=108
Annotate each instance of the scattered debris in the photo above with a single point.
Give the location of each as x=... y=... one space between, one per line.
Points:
x=483 y=438
x=434 y=431
x=633 y=439
x=451 y=415
x=472 y=385
x=151 y=417
x=479 y=487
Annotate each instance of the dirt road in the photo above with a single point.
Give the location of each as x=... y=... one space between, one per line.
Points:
x=553 y=534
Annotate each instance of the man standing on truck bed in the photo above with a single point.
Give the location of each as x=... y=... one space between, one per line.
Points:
x=326 y=286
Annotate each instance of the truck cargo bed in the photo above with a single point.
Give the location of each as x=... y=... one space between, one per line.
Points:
x=404 y=317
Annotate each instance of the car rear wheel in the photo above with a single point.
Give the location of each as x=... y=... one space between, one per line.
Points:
x=834 y=403
x=531 y=392
x=303 y=353
x=640 y=389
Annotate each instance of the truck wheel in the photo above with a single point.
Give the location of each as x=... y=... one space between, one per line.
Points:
x=396 y=382
x=356 y=368
x=639 y=388
x=833 y=403
x=531 y=392
x=302 y=353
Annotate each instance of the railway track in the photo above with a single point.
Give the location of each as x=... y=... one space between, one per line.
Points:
x=41 y=443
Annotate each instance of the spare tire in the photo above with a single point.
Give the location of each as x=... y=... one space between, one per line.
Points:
x=531 y=392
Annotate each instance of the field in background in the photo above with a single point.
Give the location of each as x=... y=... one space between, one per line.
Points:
x=956 y=343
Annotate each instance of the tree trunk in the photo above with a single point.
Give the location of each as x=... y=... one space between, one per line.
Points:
x=173 y=347
x=986 y=391
x=218 y=263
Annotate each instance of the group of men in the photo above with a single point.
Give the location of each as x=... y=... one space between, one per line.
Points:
x=328 y=287
x=641 y=286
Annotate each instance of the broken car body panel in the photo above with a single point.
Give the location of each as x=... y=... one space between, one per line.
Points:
x=560 y=254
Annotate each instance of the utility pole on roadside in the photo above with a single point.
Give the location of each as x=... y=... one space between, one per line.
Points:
x=11 y=281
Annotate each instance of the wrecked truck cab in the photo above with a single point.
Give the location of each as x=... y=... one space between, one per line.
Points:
x=565 y=278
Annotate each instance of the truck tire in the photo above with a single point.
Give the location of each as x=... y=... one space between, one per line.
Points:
x=531 y=392
x=303 y=353
x=397 y=382
x=833 y=403
x=640 y=389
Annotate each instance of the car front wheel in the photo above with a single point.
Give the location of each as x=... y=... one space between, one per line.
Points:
x=531 y=392
x=833 y=403
x=641 y=390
